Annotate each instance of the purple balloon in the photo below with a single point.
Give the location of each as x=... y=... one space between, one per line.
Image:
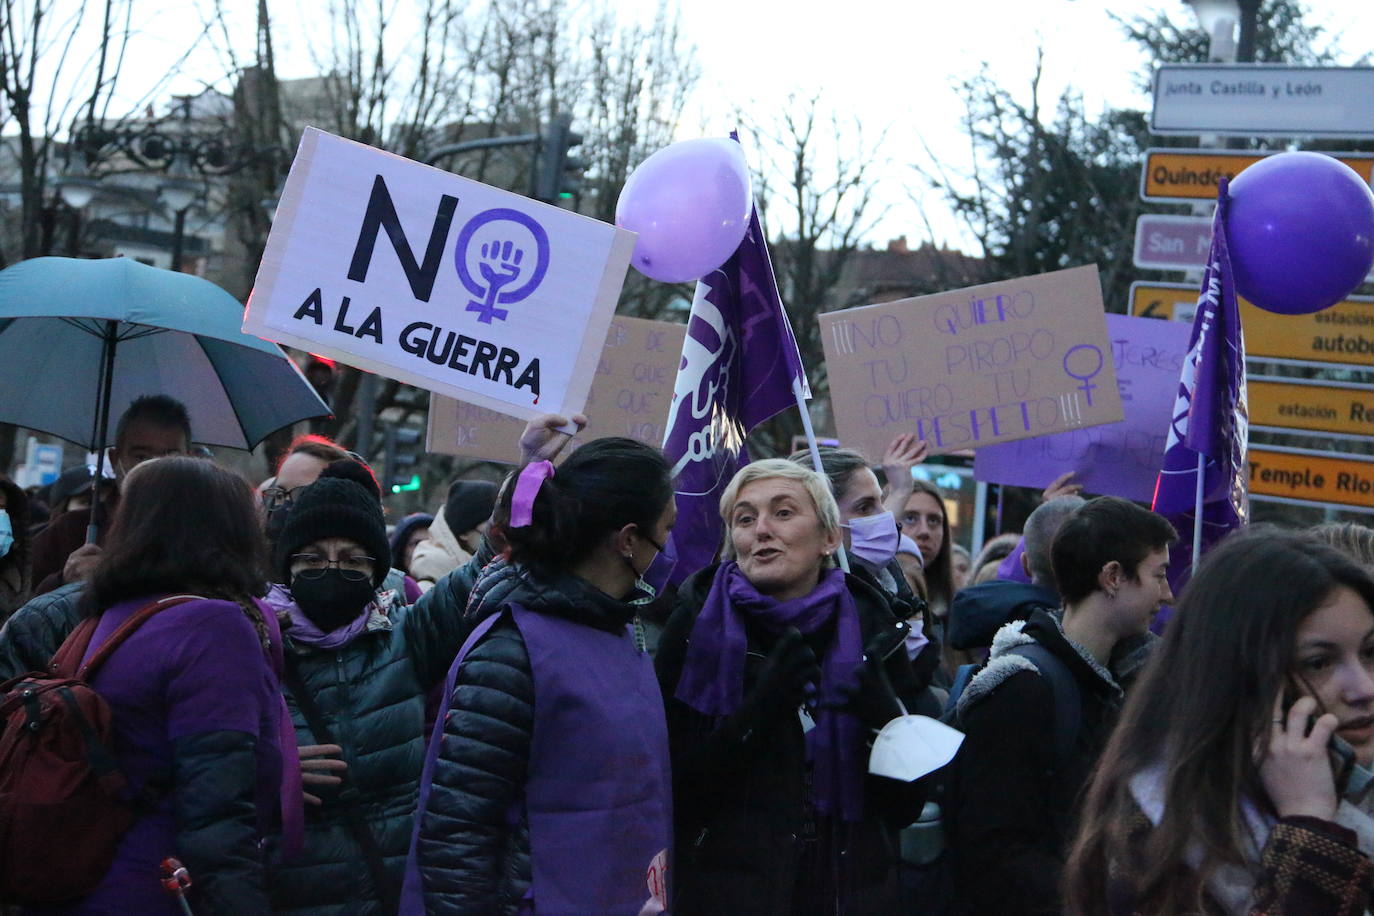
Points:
x=690 y=204
x=1301 y=231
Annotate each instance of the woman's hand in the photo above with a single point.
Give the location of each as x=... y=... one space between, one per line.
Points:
x=785 y=674
x=1062 y=485
x=1296 y=770
x=903 y=453
x=319 y=763
x=544 y=438
x=872 y=699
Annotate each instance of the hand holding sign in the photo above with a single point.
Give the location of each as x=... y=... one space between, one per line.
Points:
x=545 y=436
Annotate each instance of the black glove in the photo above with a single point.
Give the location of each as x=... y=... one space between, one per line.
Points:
x=783 y=678
x=872 y=700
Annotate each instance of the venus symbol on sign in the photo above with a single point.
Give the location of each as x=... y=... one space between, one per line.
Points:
x=1092 y=355
x=513 y=248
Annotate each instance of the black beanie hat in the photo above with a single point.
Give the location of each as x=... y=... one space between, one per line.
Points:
x=469 y=504
x=333 y=507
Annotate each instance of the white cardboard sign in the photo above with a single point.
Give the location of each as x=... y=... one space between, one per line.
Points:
x=441 y=282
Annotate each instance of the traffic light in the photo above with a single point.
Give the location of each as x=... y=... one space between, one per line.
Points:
x=556 y=172
x=403 y=445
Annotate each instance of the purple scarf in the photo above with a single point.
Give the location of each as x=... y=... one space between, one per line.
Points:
x=712 y=680
x=304 y=631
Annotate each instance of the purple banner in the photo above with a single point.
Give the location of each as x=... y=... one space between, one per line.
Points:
x=739 y=365
x=1118 y=459
x=1210 y=419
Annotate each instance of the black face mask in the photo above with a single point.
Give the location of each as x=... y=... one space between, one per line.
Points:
x=331 y=601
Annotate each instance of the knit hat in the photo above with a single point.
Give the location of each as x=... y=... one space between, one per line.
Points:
x=907 y=545
x=401 y=533
x=332 y=507
x=469 y=504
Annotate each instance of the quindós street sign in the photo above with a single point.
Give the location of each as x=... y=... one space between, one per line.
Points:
x=1263 y=100
x=1188 y=174
x=1341 y=335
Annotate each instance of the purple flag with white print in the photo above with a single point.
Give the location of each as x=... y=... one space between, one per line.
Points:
x=1210 y=417
x=739 y=365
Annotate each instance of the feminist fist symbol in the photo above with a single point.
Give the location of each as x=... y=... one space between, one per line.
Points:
x=499 y=266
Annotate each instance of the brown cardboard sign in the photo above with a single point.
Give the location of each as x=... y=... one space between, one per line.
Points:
x=630 y=396
x=991 y=363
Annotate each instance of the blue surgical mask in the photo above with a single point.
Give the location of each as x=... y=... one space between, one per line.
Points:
x=650 y=583
x=6 y=533
x=874 y=538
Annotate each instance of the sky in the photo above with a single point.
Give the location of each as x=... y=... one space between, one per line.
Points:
x=890 y=65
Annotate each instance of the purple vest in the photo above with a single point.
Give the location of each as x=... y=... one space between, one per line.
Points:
x=598 y=796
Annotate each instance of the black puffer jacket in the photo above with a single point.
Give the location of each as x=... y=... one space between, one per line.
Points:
x=745 y=838
x=34 y=632
x=472 y=858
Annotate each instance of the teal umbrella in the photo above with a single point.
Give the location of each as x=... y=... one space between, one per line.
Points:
x=81 y=339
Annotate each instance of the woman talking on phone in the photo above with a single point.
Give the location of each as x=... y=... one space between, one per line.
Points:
x=1230 y=784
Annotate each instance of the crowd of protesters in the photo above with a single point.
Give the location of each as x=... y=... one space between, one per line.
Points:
x=504 y=706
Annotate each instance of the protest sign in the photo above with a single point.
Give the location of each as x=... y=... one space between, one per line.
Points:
x=967 y=368
x=469 y=291
x=631 y=392
x=1120 y=459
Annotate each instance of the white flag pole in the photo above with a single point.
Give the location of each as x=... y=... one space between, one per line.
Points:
x=815 y=454
x=1197 y=510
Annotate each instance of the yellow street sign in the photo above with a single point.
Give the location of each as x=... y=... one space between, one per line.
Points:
x=1342 y=335
x=1304 y=405
x=1173 y=174
x=1311 y=477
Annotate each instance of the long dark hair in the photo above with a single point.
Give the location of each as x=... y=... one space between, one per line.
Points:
x=601 y=487
x=183 y=525
x=1202 y=704
x=939 y=571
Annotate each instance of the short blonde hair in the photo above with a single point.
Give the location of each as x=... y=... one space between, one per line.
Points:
x=816 y=485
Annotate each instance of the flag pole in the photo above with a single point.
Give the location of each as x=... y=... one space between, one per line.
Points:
x=815 y=454
x=1197 y=510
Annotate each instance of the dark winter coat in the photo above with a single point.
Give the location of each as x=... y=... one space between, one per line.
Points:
x=33 y=633
x=1011 y=803
x=472 y=856
x=979 y=611
x=371 y=695
x=745 y=837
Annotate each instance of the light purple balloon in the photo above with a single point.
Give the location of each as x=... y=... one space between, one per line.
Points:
x=1301 y=231
x=690 y=204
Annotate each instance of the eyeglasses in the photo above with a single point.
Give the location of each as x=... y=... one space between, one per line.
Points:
x=274 y=498
x=312 y=566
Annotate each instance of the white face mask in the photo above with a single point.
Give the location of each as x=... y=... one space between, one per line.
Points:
x=874 y=538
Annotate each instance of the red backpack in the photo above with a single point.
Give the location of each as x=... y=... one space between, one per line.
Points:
x=64 y=802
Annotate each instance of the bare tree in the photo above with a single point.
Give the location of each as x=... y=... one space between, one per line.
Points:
x=818 y=197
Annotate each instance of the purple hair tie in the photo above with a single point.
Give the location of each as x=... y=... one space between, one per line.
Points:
x=526 y=489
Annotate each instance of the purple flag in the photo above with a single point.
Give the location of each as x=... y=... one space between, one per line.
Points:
x=739 y=367
x=1210 y=417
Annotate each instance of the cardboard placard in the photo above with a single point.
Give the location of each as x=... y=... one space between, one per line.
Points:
x=991 y=363
x=434 y=280
x=631 y=393
x=1118 y=459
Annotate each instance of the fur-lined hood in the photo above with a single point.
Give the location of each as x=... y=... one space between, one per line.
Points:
x=1003 y=663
